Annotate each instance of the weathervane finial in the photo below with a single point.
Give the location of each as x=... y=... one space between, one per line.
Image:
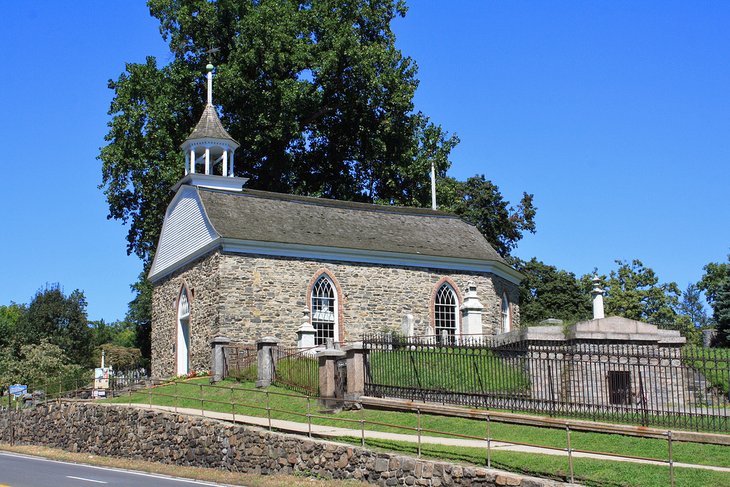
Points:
x=210 y=67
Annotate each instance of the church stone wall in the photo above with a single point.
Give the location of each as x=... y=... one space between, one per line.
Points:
x=245 y=297
x=264 y=296
x=201 y=279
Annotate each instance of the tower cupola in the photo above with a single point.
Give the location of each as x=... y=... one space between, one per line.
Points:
x=209 y=150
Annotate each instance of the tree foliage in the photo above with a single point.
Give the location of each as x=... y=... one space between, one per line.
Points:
x=691 y=306
x=321 y=101
x=549 y=292
x=713 y=278
x=58 y=319
x=317 y=94
x=139 y=314
x=721 y=310
x=633 y=291
x=119 y=333
x=9 y=317
x=118 y=357
x=479 y=202
x=35 y=364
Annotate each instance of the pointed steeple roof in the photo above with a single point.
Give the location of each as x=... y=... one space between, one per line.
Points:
x=210 y=127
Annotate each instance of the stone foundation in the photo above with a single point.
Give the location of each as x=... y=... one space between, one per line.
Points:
x=184 y=440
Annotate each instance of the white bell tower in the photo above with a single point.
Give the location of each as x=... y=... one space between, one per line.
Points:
x=209 y=151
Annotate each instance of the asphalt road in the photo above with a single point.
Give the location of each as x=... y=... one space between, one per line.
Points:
x=28 y=471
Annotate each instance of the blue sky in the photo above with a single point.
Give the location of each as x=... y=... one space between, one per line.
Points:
x=616 y=115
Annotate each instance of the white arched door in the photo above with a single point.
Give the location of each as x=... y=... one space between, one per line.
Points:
x=183 y=334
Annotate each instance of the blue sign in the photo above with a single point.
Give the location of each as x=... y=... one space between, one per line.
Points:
x=18 y=390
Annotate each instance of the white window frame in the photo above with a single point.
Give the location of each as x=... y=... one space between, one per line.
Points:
x=324 y=310
x=439 y=314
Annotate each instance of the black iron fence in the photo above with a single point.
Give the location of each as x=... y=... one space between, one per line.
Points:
x=684 y=387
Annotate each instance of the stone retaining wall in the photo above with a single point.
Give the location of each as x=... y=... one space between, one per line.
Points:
x=186 y=440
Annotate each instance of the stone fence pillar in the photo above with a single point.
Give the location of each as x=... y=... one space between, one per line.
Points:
x=355 y=356
x=266 y=362
x=329 y=392
x=218 y=361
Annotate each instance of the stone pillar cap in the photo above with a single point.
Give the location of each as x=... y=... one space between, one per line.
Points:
x=273 y=340
x=331 y=353
x=220 y=340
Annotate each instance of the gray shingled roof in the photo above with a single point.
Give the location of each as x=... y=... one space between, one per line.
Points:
x=273 y=217
x=209 y=126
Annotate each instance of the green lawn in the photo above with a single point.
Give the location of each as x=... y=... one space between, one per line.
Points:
x=253 y=403
x=586 y=471
x=448 y=369
x=712 y=363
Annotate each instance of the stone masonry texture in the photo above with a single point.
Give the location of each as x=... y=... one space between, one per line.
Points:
x=245 y=297
x=192 y=441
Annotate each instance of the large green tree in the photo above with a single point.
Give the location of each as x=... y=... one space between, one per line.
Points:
x=58 y=319
x=320 y=99
x=691 y=306
x=716 y=284
x=317 y=94
x=712 y=279
x=634 y=291
x=9 y=317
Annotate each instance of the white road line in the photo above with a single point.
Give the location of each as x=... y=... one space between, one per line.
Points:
x=113 y=469
x=86 y=480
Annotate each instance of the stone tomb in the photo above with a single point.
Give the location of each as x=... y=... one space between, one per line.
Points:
x=613 y=362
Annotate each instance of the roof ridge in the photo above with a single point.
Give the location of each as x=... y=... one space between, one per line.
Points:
x=343 y=204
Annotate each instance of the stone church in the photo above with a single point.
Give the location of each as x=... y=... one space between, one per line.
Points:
x=244 y=264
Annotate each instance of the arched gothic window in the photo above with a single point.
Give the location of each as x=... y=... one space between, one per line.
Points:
x=506 y=318
x=324 y=310
x=446 y=312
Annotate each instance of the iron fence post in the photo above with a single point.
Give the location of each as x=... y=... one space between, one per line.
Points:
x=149 y=393
x=233 y=405
x=309 y=415
x=362 y=433
x=418 y=412
x=671 y=460
x=489 y=443
x=570 y=455
x=268 y=409
x=176 y=398
x=202 y=407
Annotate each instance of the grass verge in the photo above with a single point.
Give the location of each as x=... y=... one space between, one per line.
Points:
x=587 y=471
x=253 y=403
